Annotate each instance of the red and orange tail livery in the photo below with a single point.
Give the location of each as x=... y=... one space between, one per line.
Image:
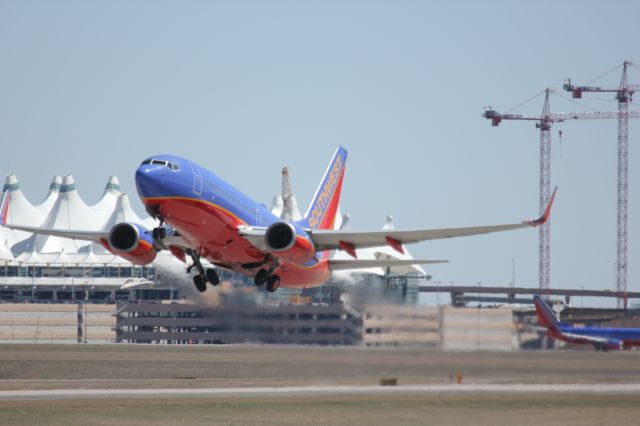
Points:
x=322 y=210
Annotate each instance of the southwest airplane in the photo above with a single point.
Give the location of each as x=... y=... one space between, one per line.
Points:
x=202 y=216
x=602 y=338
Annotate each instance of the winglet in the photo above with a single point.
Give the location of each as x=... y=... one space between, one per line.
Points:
x=547 y=212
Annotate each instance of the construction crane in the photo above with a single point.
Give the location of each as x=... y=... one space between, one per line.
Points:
x=624 y=93
x=544 y=122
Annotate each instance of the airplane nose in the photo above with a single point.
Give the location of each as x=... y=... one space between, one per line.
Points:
x=148 y=181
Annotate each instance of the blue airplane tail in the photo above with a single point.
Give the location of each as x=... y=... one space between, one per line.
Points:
x=321 y=213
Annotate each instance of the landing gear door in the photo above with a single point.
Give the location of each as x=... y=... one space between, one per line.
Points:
x=197 y=180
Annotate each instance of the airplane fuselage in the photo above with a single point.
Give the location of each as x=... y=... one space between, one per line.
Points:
x=207 y=212
x=628 y=336
x=601 y=337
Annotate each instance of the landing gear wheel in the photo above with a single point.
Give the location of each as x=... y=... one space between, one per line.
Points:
x=261 y=277
x=200 y=283
x=212 y=276
x=159 y=233
x=273 y=283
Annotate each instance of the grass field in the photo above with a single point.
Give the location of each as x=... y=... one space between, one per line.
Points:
x=353 y=410
x=145 y=366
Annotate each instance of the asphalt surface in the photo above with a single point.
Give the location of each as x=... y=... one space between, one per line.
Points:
x=295 y=391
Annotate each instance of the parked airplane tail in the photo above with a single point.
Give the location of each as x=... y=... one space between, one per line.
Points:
x=4 y=208
x=546 y=316
x=322 y=210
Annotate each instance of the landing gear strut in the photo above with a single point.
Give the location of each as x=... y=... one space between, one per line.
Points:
x=160 y=232
x=204 y=275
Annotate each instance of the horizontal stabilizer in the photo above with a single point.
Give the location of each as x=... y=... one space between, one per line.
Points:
x=340 y=264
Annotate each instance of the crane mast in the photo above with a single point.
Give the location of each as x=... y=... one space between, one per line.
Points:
x=544 y=123
x=544 y=245
x=624 y=93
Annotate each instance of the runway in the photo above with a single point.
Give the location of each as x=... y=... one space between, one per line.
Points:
x=295 y=391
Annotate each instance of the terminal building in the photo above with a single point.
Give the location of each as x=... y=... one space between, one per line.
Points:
x=46 y=268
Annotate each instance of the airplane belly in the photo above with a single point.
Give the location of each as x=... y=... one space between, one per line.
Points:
x=213 y=232
x=210 y=230
x=297 y=277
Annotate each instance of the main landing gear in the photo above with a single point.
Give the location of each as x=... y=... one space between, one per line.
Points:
x=160 y=232
x=266 y=276
x=204 y=275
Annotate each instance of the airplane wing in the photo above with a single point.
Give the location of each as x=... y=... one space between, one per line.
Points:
x=349 y=241
x=95 y=236
x=342 y=264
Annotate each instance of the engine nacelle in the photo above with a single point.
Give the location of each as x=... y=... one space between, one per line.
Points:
x=132 y=242
x=282 y=240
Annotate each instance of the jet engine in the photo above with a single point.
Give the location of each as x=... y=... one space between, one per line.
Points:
x=282 y=240
x=132 y=242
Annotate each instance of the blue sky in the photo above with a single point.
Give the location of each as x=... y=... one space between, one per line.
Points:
x=93 y=87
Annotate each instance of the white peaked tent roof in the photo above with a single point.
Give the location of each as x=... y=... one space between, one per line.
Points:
x=68 y=212
x=52 y=196
x=8 y=236
x=16 y=208
x=91 y=258
x=278 y=208
x=112 y=259
x=107 y=203
x=5 y=251
x=295 y=211
x=31 y=257
x=343 y=223
x=276 y=205
x=386 y=252
x=121 y=213
x=380 y=252
x=62 y=259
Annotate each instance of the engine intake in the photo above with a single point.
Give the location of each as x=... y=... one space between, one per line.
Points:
x=124 y=237
x=282 y=239
x=280 y=236
x=132 y=242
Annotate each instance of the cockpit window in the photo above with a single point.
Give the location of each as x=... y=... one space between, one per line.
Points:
x=164 y=163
